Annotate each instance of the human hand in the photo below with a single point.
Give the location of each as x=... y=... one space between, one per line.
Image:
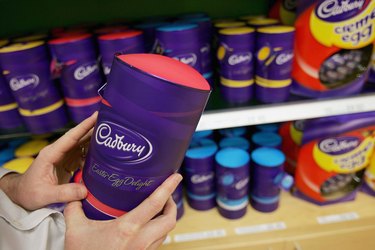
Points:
x=138 y=229
x=40 y=185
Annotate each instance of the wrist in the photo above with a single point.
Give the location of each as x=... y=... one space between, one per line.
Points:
x=9 y=185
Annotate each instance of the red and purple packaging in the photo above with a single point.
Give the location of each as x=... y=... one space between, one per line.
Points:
x=333 y=46
x=332 y=157
x=150 y=109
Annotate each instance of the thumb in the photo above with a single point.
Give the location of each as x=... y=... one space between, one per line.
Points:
x=74 y=214
x=67 y=193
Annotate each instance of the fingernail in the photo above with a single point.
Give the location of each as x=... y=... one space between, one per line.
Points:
x=177 y=178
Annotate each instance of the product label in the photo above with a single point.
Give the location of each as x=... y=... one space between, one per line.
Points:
x=196 y=179
x=347 y=24
x=84 y=71
x=238 y=58
x=345 y=154
x=123 y=181
x=121 y=143
x=20 y=82
x=189 y=59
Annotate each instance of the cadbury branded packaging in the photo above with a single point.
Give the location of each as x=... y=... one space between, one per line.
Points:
x=273 y=65
x=236 y=63
x=126 y=42
x=178 y=198
x=26 y=69
x=9 y=116
x=150 y=109
x=180 y=41
x=267 y=178
x=232 y=181
x=199 y=173
x=333 y=156
x=80 y=77
x=333 y=45
x=205 y=38
x=284 y=11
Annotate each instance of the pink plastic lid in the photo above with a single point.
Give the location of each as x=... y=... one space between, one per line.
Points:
x=121 y=35
x=168 y=69
x=69 y=39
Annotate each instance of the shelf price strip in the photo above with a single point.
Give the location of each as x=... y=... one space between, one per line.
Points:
x=261 y=228
x=333 y=218
x=200 y=235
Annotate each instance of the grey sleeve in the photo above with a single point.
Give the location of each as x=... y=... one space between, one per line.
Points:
x=42 y=229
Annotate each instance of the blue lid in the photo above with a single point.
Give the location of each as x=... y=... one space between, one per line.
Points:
x=232 y=157
x=266 y=139
x=177 y=27
x=203 y=148
x=6 y=154
x=202 y=134
x=268 y=157
x=234 y=142
x=270 y=127
x=230 y=132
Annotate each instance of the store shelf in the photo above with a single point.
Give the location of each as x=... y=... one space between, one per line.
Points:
x=219 y=115
x=297 y=224
x=293 y=110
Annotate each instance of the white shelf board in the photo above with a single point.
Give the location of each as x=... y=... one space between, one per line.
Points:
x=270 y=113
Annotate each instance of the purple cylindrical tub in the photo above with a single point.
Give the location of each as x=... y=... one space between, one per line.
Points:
x=232 y=173
x=126 y=42
x=180 y=41
x=267 y=178
x=80 y=75
x=236 y=63
x=27 y=73
x=150 y=110
x=274 y=63
x=199 y=167
x=9 y=116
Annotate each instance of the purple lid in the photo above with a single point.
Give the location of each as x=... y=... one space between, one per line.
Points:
x=127 y=42
x=73 y=47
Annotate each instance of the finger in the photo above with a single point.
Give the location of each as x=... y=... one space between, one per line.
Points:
x=70 y=139
x=164 y=223
x=74 y=214
x=152 y=205
x=66 y=193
